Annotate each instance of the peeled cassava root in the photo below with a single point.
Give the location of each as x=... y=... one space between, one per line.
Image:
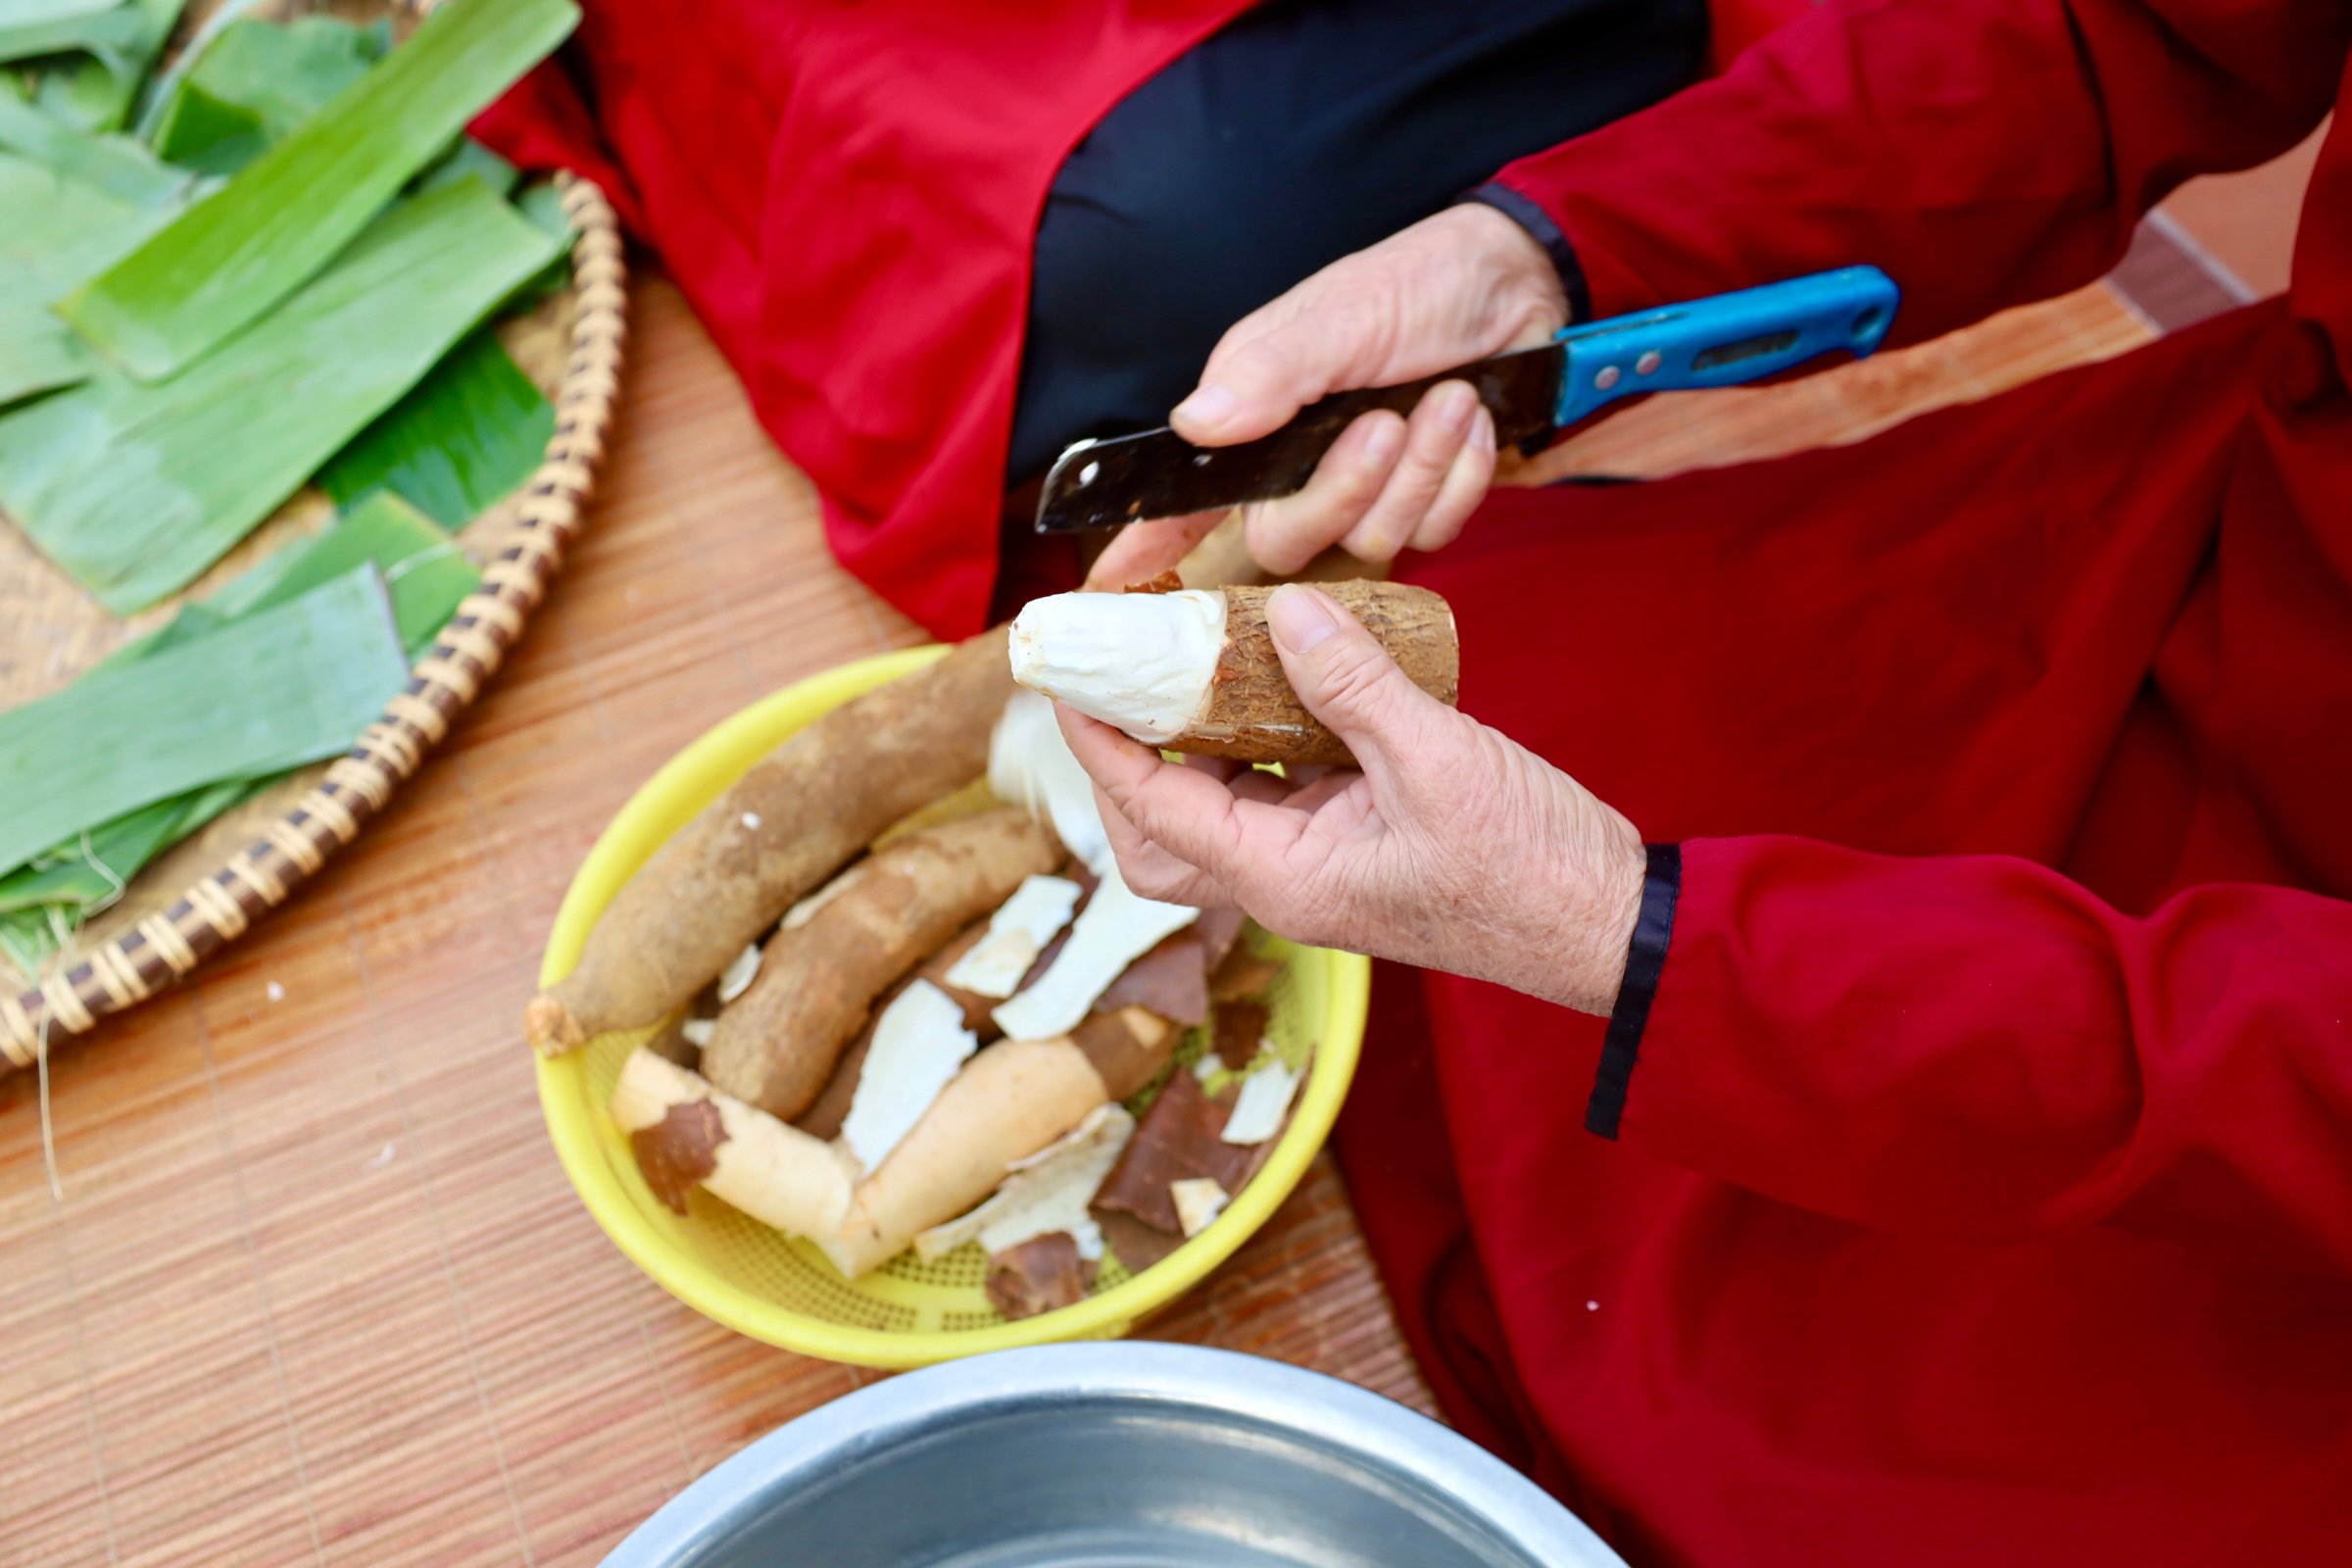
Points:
x=777 y=1044
x=799 y=815
x=1196 y=671
x=1011 y=1101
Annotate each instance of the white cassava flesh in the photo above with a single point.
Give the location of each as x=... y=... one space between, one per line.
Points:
x=1116 y=927
x=1030 y=766
x=1045 y=1193
x=1198 y=1201
x=799 y=914
x=1264 y=1100
x=920 y=1044
x=1016 y=934
x=739 y=975
x=1143 y=662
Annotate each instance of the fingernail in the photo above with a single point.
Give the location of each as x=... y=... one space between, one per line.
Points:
x=1481 y=431
x=1462 y=405
x=1383 y=439
x=1300 y=617
x=1207 y=407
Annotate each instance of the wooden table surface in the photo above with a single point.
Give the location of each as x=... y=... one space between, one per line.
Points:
x=316 y=1288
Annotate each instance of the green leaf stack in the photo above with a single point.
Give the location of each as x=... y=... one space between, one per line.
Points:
x=136 y=489
x=229 y=259
x=283 y=687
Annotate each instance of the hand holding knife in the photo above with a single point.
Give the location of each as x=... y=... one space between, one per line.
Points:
x=1726 y=340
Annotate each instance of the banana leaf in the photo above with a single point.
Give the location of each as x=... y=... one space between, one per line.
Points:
x=62 y=229
x=422 y=566
x=136 y=489
x=117 y=165
x=543 y=205
x=471 y=157
x=16 y=13
x=427 y=577
x=157 y=91
x=55 y=230
x=94 y=89
x=278 y=688
x=96 y=864
x=30 y=29
x=256 y=81
x=233 y=257
x=472 y=431
x=38 y=351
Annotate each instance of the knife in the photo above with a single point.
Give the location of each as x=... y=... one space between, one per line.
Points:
x=1722 y=341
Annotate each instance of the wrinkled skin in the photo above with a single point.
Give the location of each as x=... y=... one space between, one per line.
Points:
x=1456 y=287
x=1453 y=847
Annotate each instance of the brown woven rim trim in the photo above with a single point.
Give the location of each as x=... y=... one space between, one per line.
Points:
x=218 y=908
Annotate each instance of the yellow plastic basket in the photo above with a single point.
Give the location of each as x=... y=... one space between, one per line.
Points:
x=908 y=1313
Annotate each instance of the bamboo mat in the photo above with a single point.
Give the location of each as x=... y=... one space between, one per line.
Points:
x=317 y=1290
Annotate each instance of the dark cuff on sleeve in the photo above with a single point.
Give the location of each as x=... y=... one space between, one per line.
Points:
x=1653 y=929
x=1537 y=222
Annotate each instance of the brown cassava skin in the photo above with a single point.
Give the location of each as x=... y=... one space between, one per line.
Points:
x=775 y=1045
x=1254 y=715
x=817 y=801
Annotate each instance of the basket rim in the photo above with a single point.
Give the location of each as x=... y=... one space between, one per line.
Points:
x=218 y=906
x=631 y=837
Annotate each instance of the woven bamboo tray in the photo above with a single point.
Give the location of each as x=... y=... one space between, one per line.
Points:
x=207 y=892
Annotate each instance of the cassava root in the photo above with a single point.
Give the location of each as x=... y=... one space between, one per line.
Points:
x=800 y=814
x=777 y=1042
x=1196 y=670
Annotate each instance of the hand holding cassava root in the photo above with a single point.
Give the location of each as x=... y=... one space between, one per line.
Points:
x=1453 y=848
x=776 y=1044
x=799 y=815
x=1198 y=672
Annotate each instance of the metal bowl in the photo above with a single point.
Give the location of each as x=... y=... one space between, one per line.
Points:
x=1113 y=1456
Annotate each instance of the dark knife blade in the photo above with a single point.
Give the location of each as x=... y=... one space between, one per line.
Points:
x=1160 y=474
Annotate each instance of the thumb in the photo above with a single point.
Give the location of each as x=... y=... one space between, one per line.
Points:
x=1348 y=680
x=1254 y=387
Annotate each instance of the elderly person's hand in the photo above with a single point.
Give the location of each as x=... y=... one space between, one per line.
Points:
x=1457 y=287
x=1453 y=848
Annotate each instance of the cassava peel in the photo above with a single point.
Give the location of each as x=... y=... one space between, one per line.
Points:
x=795 y=818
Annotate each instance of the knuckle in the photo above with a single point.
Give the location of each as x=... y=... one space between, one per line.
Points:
x=1146 y=874
x=1357 y=673
x=1284 y=537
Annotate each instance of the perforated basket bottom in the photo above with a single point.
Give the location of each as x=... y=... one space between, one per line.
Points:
x=906 y=1295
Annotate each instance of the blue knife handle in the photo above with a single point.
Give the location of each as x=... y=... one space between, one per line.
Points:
x=1724 y=341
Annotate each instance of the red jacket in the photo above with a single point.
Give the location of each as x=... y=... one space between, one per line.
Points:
x=1981 y=1187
